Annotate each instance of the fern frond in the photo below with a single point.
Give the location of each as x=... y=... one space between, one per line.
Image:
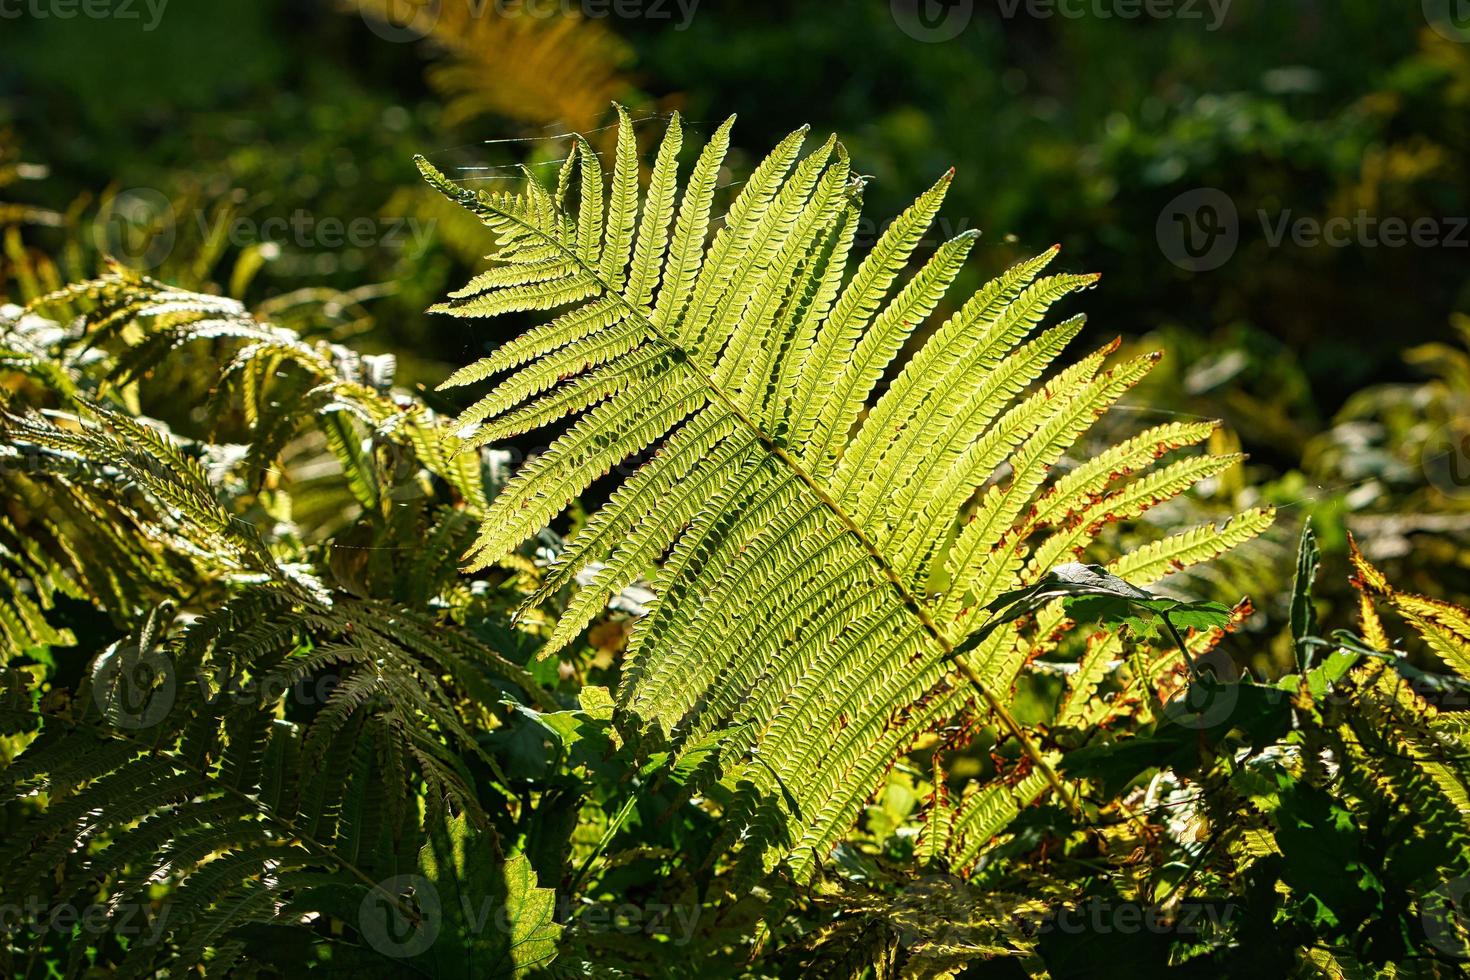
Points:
x=535 y=67
x=222 y=800
x=795 y=608
x=985 y=811
x=1444 y=626
x=259 y=749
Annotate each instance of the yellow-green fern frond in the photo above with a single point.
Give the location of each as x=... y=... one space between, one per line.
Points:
x=1444 y=626
x=818 y=561
x=512 y=60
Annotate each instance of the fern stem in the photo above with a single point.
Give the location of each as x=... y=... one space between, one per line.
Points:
x=1179 y=642
x=607 y=836
x=776 y=449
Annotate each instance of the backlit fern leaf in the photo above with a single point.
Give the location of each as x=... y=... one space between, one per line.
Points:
x=815 y=572
x=1444 y=626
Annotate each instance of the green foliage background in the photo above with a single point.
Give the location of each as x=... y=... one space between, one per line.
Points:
x=1333 y=368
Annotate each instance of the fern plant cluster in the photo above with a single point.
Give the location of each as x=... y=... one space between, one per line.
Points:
x=259 y=700
x=849 y=675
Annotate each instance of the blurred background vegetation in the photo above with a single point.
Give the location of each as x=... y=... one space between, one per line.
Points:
x=262 y=148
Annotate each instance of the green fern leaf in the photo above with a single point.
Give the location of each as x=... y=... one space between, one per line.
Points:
x=793 y=541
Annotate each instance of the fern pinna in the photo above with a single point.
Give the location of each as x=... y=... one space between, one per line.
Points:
x=820 y=561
